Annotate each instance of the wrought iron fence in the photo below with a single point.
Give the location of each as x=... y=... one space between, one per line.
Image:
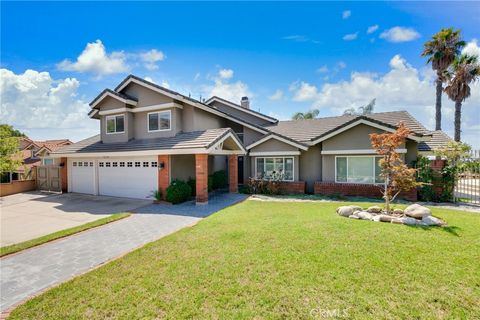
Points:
x=467 y=180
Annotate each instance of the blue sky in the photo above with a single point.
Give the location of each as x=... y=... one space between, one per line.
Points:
x=286 y=57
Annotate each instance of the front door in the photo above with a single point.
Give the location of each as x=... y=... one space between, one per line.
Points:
x=240 y=169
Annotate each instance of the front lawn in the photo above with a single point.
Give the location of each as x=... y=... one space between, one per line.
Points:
x=284 y=260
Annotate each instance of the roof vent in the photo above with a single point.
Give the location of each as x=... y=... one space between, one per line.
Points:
x=245 y=103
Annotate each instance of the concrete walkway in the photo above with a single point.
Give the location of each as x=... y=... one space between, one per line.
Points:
x=29 y=272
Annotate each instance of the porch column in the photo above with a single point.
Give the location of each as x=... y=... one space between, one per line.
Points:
x=64 y=174
x=232 y=173
x=163 y=174
x=201 y=177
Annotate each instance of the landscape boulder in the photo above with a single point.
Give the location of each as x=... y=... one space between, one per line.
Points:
x=364 y=215
x=353 y=216
x=417 y=211
x=432 y=221
x=345 y=211
x=374 y=209
x=398 y=211
x=385 y=218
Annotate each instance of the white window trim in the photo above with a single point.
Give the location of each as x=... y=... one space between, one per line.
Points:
x=293 y=166
x=159 y=112
x=358 y=151
x=48 y=158
x=356 y=156
x=114 y=117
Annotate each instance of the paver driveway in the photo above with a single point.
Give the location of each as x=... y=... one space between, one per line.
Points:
x=29 y=272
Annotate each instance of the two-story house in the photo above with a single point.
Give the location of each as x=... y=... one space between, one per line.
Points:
x=150 y=135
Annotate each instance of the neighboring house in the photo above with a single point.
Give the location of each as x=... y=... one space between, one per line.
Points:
x=439 y=139
x=150 y=135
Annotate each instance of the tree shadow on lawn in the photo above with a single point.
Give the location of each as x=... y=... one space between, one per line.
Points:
x=453 y=230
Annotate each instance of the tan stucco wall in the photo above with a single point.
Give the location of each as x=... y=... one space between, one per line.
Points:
x=412 y=152
x=110 y=103
x=310 y=166
x=273 y=145
x=250 y=136
x=351 y=139
x=182 y=167
x=295 y=167
x=145 y=96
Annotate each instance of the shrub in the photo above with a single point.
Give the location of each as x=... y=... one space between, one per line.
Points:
x=210 y=184
x=193 y=185
x=178 y=191
x=219 y=179
x=157 y=194
x=260 y=186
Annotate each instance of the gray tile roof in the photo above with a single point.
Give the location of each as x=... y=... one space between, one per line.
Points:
x=239 y=106
x=308 y=130
x=188 y=140
x=439 y=139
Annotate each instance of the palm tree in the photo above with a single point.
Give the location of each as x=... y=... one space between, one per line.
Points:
x=312 y=114
x=367 y=109
x=441 y=50
x=464 y=70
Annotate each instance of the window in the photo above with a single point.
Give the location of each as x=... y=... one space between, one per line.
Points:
x=91 y=164
x=145 y=164
x=100 y=164
x=107 y=164
x=80 y=164
x=115 y=124
x=280 y=168
x=137 y=164
x=358 y=169
x=159 y=121
x=122 y=164
x=154 y=164
x=85 y=164
x=74 y=164
x=129 y=164
x=114 y=164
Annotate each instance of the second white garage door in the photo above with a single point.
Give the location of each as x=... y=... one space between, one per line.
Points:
x=128 y=177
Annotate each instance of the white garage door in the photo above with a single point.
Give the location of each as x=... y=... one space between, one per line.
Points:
x=128 y=177
x=83 y=176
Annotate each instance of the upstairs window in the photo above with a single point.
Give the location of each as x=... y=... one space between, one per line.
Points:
x=115 y=124
x=159 y=121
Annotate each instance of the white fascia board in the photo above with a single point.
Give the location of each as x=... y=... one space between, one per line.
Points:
x=274 y=153
x=212 y=149
x=357 y=151
x=230 y=104
x=362 y=121
x=195 y=104
x=273 y=136
x=127 y=101
x=130 y=153
x=94 y=113
x=162 y=106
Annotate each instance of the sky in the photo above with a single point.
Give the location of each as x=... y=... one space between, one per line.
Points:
x=56 y=57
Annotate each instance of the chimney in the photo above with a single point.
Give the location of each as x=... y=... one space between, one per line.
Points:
x=245 y=103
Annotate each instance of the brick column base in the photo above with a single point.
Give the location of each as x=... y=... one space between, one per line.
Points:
x=163 y=174
x=233 y=173
x=64 y=174
x=201 y=177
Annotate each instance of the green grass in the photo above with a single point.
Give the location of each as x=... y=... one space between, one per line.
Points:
x=60 y=234
x=279 y=260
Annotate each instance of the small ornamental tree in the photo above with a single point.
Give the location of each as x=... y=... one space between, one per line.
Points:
x=395 y=173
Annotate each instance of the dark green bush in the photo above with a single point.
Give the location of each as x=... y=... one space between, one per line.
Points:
x=219 y=179
x=178 y=191
x=192 y=183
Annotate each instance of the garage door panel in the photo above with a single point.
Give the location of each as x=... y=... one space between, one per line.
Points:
x=128 y=177
x=82 y=176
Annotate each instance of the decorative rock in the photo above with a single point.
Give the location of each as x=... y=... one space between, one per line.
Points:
x=417 y=211
x=385 y=218
x=398 y=211
x=345 y=211
x=374 y=209
x=364 y=215
x=410 y=221
x=432 y=221
x=357 y=208
x=353 y=216
x=397 y=220
x=376 y=218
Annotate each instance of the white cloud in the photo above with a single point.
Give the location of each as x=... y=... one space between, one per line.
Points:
x=36 y=103
x=341 y=65
x=472 y=48
x=303 y=91
x=222 y=87
x=403 y=87
x=346 y=14
x=225 y=73
x=372 y=29
x=400 y=34
x=277 y=95
x=149 y=79
x=94 y=59
x=165 y=84
x=300 y=38
x=322 y=69
x=350 y=36
x=151 y=58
